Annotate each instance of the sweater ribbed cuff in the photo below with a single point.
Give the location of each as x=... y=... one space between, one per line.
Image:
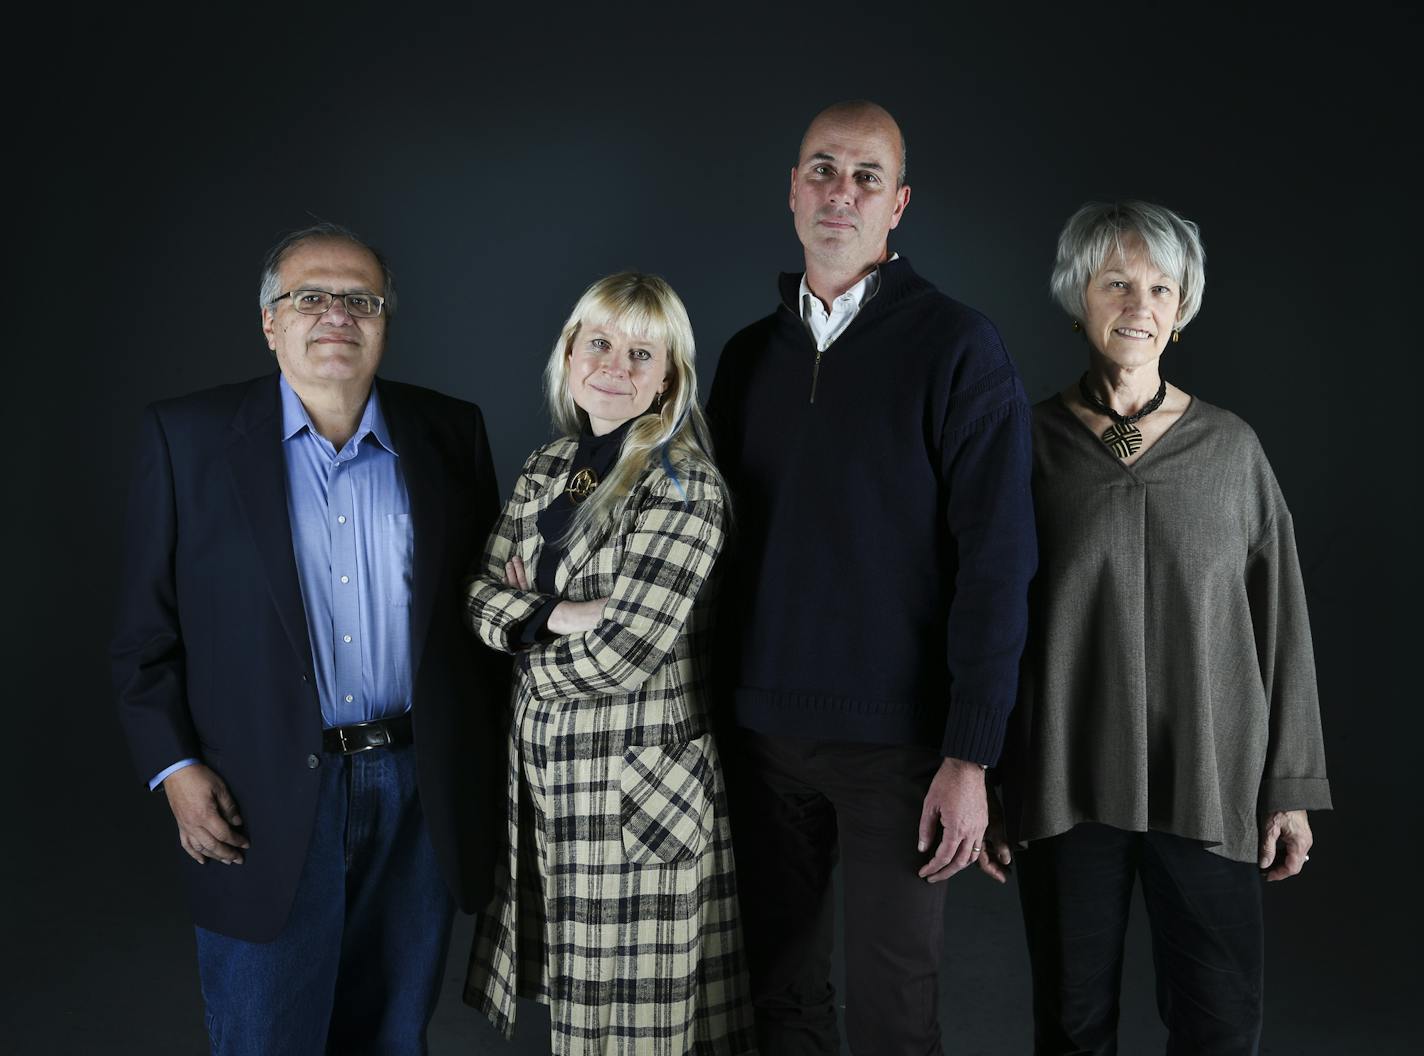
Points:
x=975 y=735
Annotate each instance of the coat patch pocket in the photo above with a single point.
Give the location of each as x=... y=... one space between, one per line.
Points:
x=666 y=806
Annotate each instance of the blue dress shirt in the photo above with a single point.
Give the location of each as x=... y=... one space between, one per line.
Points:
x=355 y=549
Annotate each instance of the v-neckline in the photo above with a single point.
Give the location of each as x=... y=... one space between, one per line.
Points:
x=1129 y=468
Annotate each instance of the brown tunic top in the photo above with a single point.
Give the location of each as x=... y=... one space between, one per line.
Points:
x=1169 y=682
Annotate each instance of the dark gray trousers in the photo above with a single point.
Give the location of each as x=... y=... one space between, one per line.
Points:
x=797 y=806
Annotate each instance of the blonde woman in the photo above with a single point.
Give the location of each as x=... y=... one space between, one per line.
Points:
x=616 y=905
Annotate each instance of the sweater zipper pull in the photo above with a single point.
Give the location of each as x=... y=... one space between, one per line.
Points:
x=815 y=374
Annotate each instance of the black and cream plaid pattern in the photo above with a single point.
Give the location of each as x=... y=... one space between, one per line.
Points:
x=617 y=902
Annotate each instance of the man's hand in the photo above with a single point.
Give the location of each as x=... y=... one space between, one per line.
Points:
x=575 y=617
x=206 y=814
x=997 y=855
x=1290 y=829
x=956 y=799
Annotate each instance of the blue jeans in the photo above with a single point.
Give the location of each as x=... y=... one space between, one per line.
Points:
x=359 y=963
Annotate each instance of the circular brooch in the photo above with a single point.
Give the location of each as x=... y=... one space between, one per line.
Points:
x=581 y=485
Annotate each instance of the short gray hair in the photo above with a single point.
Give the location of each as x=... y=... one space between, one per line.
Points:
x=271 y=285
x=1099 y=229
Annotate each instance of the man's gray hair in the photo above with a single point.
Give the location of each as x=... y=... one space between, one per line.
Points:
x=271 y=286
x=1099 y=229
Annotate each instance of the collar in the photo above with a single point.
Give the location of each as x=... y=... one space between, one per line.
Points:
x=894 y=277
x=594 y=447
x=373 y=422
x=858 y=294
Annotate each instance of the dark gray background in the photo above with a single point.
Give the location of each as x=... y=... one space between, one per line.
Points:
x=504 y=163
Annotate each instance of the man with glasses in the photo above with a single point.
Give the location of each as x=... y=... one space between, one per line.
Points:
x=292 y=673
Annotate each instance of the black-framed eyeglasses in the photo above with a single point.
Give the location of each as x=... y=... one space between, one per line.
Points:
x=319 y=302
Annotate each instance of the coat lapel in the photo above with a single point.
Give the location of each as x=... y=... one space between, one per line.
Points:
x=581 y=549
x=530 y=545
x=259 y=474
x=420 y=465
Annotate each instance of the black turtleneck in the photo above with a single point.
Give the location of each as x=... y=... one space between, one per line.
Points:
x=596 y=453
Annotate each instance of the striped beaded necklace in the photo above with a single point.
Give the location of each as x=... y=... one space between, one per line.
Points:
x=1123 y=438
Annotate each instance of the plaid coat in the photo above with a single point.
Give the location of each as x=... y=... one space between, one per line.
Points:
x=616 y=901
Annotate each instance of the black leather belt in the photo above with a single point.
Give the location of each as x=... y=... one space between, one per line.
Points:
x=363 y=736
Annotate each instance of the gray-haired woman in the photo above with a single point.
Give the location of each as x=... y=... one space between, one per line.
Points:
x=1167 y=726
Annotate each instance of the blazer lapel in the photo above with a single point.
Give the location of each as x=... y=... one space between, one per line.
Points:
x=421 y=466
x=259 y=473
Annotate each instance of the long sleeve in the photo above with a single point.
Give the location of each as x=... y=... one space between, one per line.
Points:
x=667 y=557
x=987 y=465
x=1294 y=776
x=149 y=662
x=724 y=404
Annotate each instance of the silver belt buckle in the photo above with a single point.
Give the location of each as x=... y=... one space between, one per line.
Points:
x=348 y=749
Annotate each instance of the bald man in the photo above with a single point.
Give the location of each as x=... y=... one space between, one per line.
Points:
x=876 y=438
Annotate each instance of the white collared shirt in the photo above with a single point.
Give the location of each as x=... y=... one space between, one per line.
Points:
x=825 y=326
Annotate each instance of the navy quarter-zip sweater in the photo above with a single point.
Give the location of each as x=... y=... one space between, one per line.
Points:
x=876 y=588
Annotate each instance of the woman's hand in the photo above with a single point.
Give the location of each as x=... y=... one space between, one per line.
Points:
x=1285 y=841
x=514 y=574
x=997 y=855
x=568 y=617
x=575 y=617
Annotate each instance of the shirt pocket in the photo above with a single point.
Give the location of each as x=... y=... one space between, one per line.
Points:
x=666 y=808
x=393 y=569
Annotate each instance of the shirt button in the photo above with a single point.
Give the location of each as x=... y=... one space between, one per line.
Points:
x=306 y=677
x=346 y=579
x=346 y=637
x=341 y=519
x=349 y=698
x=313 y=762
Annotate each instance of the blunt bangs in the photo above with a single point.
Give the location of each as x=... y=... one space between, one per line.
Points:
x=641 y=306
x=640 y=318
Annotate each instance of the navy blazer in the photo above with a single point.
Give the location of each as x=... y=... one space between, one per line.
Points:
x=211 y=657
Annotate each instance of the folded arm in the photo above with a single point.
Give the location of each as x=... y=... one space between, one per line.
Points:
x=667 y=557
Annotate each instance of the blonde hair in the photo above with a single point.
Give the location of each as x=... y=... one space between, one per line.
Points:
x=644 y=306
